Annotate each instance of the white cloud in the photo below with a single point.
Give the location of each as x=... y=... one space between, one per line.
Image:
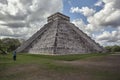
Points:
x=99 y=3
x=5 y=31
x=108 y=16
x=80 y=24
x=2 y=22
x=22 y=18
x=101 y=23
x=13 y=7
x=109 y=38
x=113 y=36
x=84 y=10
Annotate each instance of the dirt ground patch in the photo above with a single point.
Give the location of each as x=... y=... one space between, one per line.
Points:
x=108 y=62
x=94 y=68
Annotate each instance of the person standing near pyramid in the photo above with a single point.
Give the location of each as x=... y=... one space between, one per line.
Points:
x=14 y=55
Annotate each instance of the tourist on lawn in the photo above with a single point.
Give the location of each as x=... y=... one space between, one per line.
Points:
x=14 y=55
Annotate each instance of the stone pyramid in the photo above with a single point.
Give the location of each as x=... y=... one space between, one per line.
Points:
x=59 y=36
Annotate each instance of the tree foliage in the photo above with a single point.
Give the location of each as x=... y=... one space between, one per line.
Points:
x=114 y=48
x=8 y=44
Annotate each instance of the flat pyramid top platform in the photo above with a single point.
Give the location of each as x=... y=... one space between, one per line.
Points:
x=58 y=16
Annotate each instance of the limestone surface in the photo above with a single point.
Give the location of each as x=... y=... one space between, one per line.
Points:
x=59 y=36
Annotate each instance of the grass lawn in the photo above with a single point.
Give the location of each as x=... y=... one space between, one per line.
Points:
x=60 y=67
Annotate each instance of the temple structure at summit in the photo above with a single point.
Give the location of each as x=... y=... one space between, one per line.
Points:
x=59 y=36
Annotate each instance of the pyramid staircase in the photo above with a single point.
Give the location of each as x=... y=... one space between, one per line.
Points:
x=59 y=36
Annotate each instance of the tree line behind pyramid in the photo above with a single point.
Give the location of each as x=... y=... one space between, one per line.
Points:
x=59 y=36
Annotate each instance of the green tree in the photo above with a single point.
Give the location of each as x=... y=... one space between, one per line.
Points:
x=3 y=48
x=10 y=44
x=115 y=48
x=108 y=48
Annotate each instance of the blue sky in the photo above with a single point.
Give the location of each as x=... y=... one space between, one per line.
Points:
x=79 y=3
x=102 y=30
x=100 y=19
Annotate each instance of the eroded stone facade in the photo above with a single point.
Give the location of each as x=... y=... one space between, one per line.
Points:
x=59 y=36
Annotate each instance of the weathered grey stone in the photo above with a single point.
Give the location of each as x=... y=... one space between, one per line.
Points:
x=59 y=36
